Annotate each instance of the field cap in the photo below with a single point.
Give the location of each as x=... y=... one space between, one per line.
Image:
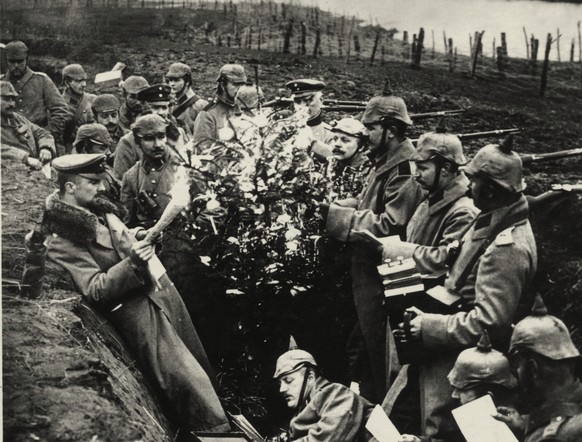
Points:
x=105 y=102
x=178 y=70
x=74 y=71
x=134 y=84
x=149 y=124
x=16 y=50
x=349 y=126
x=94 y=132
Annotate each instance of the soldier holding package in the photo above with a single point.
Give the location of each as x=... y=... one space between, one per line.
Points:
x=187 y=104
x=489 y=280
x=109 y=267
x=324 y=411
x=384 y=208
x=21 y=139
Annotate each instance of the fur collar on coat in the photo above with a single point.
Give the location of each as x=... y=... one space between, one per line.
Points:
x=75 y=223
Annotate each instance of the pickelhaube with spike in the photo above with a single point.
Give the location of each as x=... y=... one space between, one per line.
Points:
x=293 y=360
x=500 y=164
x=481 y=364
x=440 y=143
x=385 y=107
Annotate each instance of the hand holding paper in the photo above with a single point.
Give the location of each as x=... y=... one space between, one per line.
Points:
x=477 y=424
x=381 y=427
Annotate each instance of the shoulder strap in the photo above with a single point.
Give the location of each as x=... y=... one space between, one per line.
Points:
x=181 y=108
x=496 y=230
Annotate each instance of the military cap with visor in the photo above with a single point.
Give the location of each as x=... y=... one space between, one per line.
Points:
x=304 y=87
x=74 y=72
x=86 y=165
x=94 y=132
x=500 y=164
x=156 y=93
x=7 y=89
x=16 y=50
x=149 y=124
x=481 y=364
x=234 y=73
x=178 y=70
x=134 y=84
x=350 y=126
x=105 y=103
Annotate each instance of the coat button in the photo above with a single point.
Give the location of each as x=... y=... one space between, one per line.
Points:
x=153 y=181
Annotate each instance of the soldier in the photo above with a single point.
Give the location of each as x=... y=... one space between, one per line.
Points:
x=384 y=207
x=479 y=371
x=146 y=185
x=489 y=280
x=546 y=362
x=108 y=265
x=78 y=101
x=21 y=139
x=39 y=99
x=105 y=109
x=212 y=124
x=188 y=104
x=307 y=99
x=350 y=164
x=131 y=107
x=324 y=411
x=94 y=138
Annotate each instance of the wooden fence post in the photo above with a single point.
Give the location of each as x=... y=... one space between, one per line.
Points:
x=288 y=33
x=417 y=53
x=572 y=51
x=504 y=45
x=260 y=38
x=404 y=44
x=478 y=38
x=382 y=52
x=303 y=38
x=526 y=43
x=357 y=46
x=445 y=40
x=433 y=49
x=546 y=66
x=534 y=54
x=558 y=44
x=451 y=58
x=376 y=40
x=317 y=42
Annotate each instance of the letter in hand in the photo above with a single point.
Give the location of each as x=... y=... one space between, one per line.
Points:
x=511 y=417
x=393 y=248
x=141 y=252
x=410 y=330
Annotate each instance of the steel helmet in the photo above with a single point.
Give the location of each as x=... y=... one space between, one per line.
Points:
x=499 y=163
x=350 y=126
x=481 y=364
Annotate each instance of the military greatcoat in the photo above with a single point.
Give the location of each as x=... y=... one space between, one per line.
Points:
x=153 y=324
x=384 y=207
x=333 y=413
x=212 y=124
x=22 y=138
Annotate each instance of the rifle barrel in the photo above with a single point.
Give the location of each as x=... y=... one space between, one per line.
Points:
x=537 y=158
x=485 y=134
x=444 y=113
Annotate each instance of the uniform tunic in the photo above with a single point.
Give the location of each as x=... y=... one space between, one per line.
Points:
x=559 y=419
x=127 y=153
x=28 y=138
x=153 y=324
x=187 y=116
x=384 y=208
x=40 y=101
x=213 y=125
x=333 y=413
x=497 y=295
x=79 y=113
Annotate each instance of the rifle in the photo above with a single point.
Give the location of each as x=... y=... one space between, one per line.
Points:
x=540 y=157
x=567 y=187
x=485 y=134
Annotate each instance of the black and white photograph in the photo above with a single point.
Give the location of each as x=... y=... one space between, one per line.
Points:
x=291 y=220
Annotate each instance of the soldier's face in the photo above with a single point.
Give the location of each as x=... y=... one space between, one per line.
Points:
x=177 y=85
x=161 y=109
x=232 y=88
x=153 y=145
x=96 y=148
x=313 y=104
x=425 y=173
x=133 y=103
x=78 y=86
x=465 y=395
x=374 y=134
x=290 y=387
x=17 y=66
x=85 y=190
x=344 y=146
x=7 y=105
x=109 y=119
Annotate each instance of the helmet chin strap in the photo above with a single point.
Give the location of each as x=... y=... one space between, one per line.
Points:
x=437 y=177
x=301 y=401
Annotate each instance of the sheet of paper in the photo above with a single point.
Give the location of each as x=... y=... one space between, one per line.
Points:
x=47 y=171
x=381 y=426
x=477 y=423
x=156 y=268
x=365 y=236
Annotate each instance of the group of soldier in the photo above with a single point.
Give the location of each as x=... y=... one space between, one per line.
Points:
x=477 y=330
